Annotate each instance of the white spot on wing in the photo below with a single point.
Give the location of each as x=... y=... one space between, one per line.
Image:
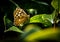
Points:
x=18 y=14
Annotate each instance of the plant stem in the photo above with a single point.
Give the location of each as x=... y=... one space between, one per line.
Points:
x=14 y=3
x=55 y=19
x=4 y=21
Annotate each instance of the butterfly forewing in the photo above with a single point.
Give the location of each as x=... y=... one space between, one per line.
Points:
x=20 y=16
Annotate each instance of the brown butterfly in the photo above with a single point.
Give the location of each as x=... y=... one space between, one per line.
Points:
x=20 y=16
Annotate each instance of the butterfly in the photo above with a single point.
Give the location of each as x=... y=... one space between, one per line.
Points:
x=20 y=17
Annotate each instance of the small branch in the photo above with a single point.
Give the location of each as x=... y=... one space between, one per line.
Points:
x=14 y=3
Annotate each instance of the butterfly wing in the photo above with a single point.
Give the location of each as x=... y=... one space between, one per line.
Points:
x=20 y=17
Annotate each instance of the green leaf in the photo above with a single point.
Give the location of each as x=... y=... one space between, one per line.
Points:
x=59 y=5
x=31 y=26
x=29 y=29
x=49 y=33
x=7 y=22
x=32 y=11
x=54 y=3
x=13 y=28
x=45 y=19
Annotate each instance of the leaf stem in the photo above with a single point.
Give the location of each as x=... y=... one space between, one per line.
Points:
x=4 y=21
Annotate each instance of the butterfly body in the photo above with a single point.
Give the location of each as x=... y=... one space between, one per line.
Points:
x=20 y=16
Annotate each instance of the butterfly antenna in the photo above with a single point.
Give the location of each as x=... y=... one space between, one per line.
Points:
x=14 y=3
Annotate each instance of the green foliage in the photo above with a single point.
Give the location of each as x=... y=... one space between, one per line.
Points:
x=40 y=12
x=7 y=22
x=29 y=29
x=43 y=34
x=45 y=19
x=31 y=26
x=59 y=5
x=54 y=3
x=13 y=28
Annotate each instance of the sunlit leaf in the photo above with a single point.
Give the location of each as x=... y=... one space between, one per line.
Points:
x=49 y=33
x=54 y=3
x=29 y=30
x=31 y=26
x=45 y=19
x=13 y=28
